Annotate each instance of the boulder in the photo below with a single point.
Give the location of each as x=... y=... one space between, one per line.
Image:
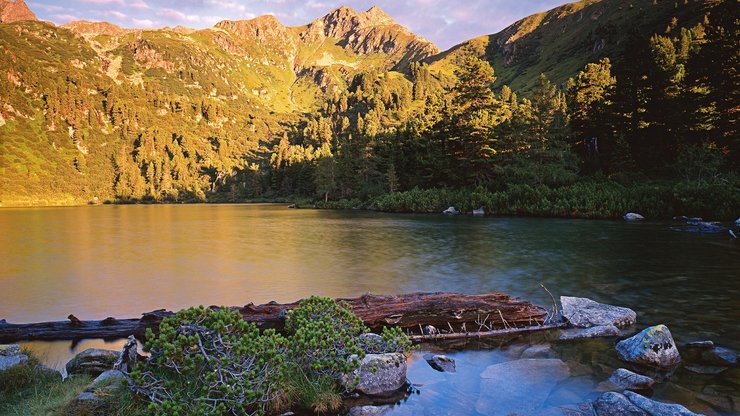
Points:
x=653 y=346
x=93 y=361
x=737 y=222
x=593 y=332
x=631 y=216
x=520 y=386
x=451 y=211
x=479 y=212
x=585 y=313
x=656 y=408
x=9 y=350
x=8 y=362
x=441 y=363
x=700 y=344
x=615 y=404
x=379 y=374
x=108 y=378
x=628 y=380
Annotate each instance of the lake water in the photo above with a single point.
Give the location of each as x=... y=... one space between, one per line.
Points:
x=120 y=261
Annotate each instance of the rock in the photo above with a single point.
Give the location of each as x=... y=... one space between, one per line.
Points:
x=700 y=344
x=593 y=332
x=379 y=374
x=108 y=378
x=722 y=403
x=719 y=356
x=737 y=222
x=479 y=212
x=656 y=408
x=48 y=371
x=8 y=362
x=615 y=404
x=441 y=363
x=367 y=411
x=451 y=211
x=631 y=216
x=520 y=386
x=653 y=346
x=584 y=313
x=628 y=380
x=537 y=351
x=9 y=350
x=705 y=369
x=93 y=361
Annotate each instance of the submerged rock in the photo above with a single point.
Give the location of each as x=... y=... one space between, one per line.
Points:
x=631 y=216
x=519 y=386
x=367 y=411
x=653 y=346
x=441 y=363
x=537 y=351
x=719 y=356
x=93 y=361
x=379 y=374
x=585 y=313
x=628 y=380
x=700 y=344
x=593 y=332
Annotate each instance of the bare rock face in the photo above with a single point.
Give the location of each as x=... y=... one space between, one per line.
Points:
x=653 y=346
x=585 y=313
x=14 y=11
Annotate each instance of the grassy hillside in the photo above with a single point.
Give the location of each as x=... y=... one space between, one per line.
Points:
x=561 y=41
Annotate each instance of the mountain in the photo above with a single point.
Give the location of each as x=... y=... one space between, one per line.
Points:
x=14 y=11
x=91 y=109
x=561 y=41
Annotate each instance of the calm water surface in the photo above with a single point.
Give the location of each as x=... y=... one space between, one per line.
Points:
x=121 y=261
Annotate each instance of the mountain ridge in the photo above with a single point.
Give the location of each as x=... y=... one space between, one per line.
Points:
x=15 y=11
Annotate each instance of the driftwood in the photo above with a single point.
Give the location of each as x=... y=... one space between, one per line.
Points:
x=412 y=312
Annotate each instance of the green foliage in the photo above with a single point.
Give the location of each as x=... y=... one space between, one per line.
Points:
x=323 y=335
x=206 y=361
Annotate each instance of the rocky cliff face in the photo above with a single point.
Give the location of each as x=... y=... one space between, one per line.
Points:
x=83 y=27
x=15 y=10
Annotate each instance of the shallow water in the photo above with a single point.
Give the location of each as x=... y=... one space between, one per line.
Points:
x=121 y=261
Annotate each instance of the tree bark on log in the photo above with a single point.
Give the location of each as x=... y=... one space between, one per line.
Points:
x=412 y=312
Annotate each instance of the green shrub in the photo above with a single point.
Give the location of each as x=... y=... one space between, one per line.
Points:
x=212 y=362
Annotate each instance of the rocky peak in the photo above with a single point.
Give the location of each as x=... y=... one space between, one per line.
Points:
x=345 y=20
x=84 y=27
x=262 y=28
x=15 y=10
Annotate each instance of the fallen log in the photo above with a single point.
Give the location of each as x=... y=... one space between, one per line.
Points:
x=412 y=312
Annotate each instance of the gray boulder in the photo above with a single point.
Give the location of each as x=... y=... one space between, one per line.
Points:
x=441 y=363
x=627 y=380
x=451 y=211
x=379 y=374
x=653 y=346
x=656 y=408
x=93 y=361
x=585 y=313
x=9 y=350
x=8 y=362
x=520 y=386
x=593 y=332
x=615 y=404
x=631 y=216
x=108 y=378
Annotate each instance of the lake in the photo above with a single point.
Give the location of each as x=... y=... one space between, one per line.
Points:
x=120 y=261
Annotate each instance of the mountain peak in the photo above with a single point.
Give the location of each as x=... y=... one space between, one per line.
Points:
x=378 y=16
x=84 y=27
x=15 y=10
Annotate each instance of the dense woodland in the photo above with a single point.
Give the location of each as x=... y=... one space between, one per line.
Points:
x=653 y=130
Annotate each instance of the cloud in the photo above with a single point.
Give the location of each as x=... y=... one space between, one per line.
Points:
x=64 y=18
x=116 y=14
x=144 y=23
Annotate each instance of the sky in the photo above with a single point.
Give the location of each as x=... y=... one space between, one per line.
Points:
x=444 y=22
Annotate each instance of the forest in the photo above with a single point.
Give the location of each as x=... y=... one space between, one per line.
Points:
x=652 y=130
